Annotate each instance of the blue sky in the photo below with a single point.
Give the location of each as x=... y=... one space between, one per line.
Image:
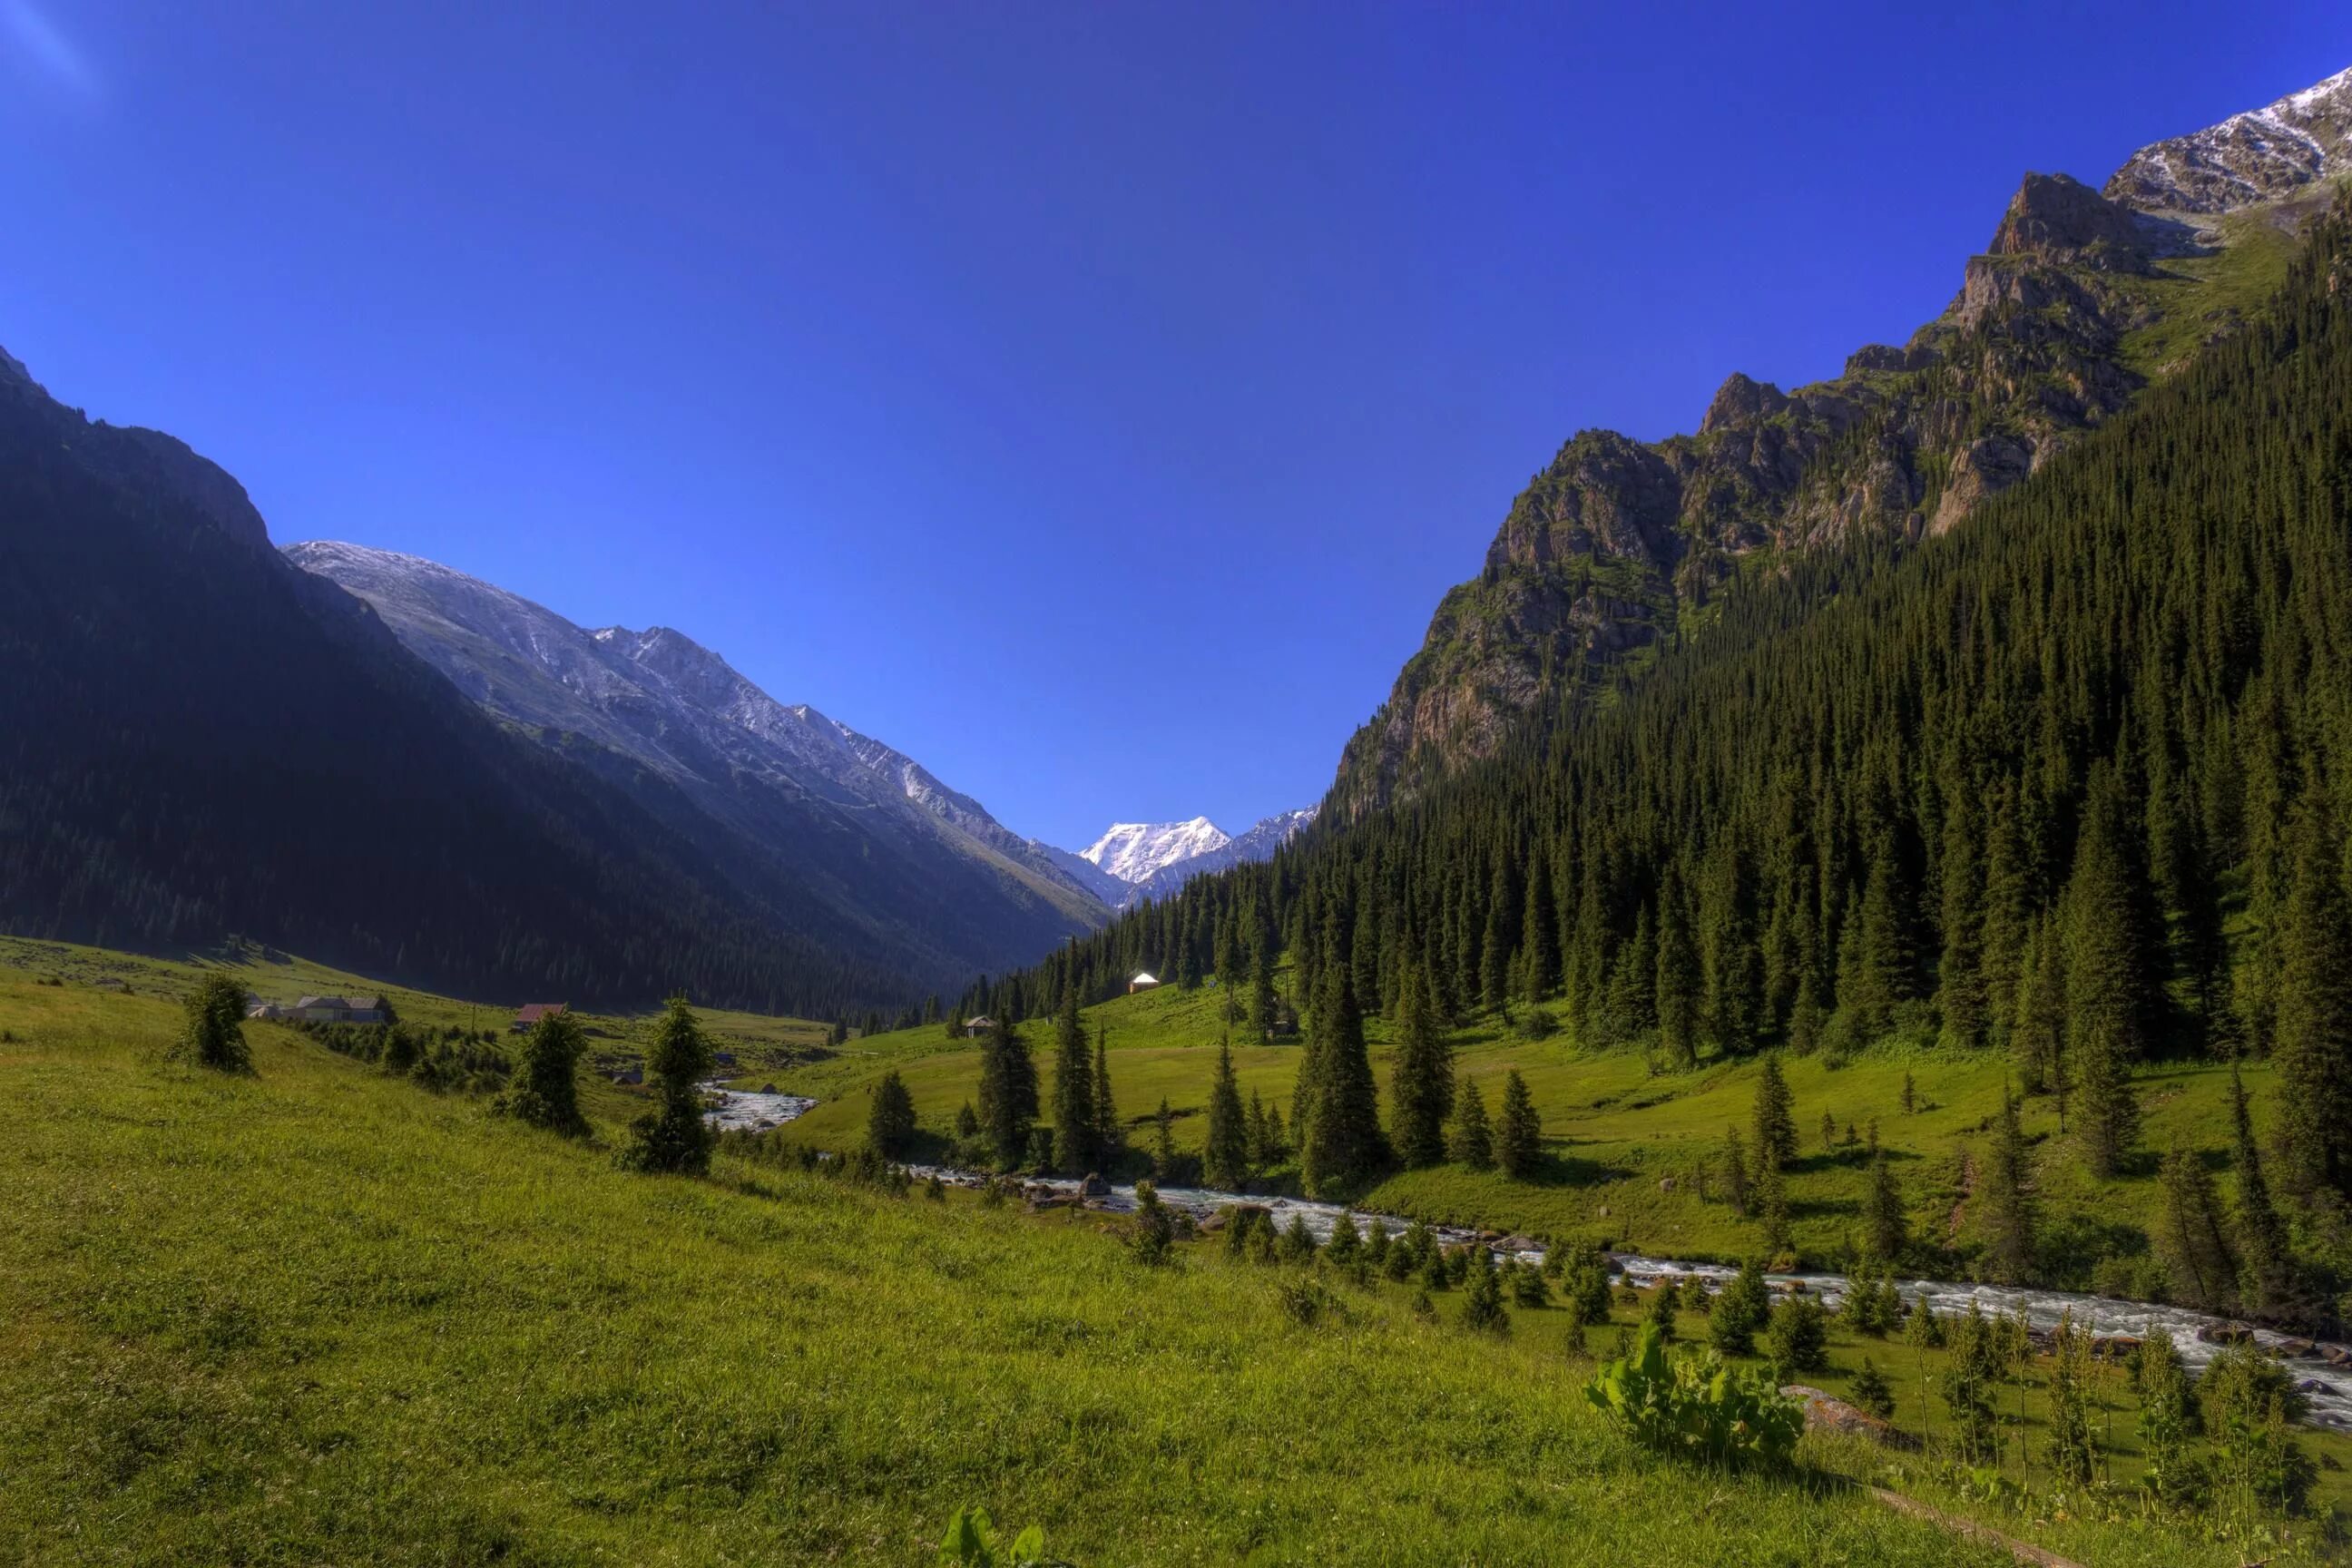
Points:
x=1091 y=400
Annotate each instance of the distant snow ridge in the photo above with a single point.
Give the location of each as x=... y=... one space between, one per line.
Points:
x=2251 y=157
x=1157 y=858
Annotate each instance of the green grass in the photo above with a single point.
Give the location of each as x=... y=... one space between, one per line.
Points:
x=322 y=1315
x=1632 y=1156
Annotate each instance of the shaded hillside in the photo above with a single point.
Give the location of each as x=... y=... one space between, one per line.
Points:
x=197 y=740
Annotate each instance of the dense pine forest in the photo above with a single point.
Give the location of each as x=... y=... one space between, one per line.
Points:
x=2068 y=782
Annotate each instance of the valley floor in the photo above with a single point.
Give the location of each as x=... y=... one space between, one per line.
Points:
x=323 y=1315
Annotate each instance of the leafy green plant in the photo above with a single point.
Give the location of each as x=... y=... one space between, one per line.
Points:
x=974 y=1542
x=1697 y=1408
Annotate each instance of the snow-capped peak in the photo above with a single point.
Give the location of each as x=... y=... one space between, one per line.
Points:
x=2253 y=156
x=1132 y=851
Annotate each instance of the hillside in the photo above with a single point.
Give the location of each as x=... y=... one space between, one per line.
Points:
x=387 y=1328
x=2084 y=299
x=2056 y=797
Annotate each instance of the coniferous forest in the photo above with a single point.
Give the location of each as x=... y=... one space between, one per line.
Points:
x=2068 y=783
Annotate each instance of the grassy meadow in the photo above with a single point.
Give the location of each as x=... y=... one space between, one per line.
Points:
x=1631 y=1155
x=323 y=1315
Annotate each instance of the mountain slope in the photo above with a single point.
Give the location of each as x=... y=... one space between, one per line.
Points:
x=874 y=832
x=2082 y=299
x=195 y=739
x=1140 y=860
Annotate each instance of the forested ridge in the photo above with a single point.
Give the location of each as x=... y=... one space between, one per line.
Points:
x=2067 y=783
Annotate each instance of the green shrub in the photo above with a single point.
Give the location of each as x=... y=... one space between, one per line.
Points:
x=1871 y=1392
x=1739 y=1311
x=1697 y=1409
x=215 y=1032
x=1796 y=1337
x=973 y=1542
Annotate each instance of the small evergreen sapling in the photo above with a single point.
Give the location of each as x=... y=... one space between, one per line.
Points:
x=891 y=1121
x=1481 y=1307
x=548 y=1094
x=674 y=1137
x=1869 y=1392
x=215 y=1037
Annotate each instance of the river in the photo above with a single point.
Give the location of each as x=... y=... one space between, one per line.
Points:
x=2327 y=1388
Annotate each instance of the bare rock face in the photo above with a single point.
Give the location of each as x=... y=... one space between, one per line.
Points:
x=1604 y=552
x=2257 y=157
x=2058 y=218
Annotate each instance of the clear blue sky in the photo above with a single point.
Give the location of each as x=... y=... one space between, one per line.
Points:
x=1091 y=400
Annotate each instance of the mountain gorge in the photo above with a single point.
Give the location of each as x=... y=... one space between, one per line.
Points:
x=2082 y=298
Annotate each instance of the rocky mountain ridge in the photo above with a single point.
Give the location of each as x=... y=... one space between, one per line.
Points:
x=2080 y=298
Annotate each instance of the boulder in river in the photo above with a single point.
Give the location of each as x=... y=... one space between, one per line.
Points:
x=2225 y=1333
x=1094 y=1186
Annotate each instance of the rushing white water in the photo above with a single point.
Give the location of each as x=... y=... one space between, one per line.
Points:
x=2327 y=1388
x=750 y=1111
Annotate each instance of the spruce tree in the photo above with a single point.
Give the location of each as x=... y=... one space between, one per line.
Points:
x=548 y=1094
x=676 y=1137
x=1473 y=1143
x=1423 y=1087
x=2313 y=1045
x=1073 y=1090
x=215 y=1035
x=1776 y=1113
x=2191 y=1237
x=2005 y=1199
x=1540 y=930
x=1108 y=1135
x=1227 y=1159
x=1008 y=1093
x=1771 y=1201
x=1679 y=984
x=2113 y=994
x=1886 y=1228
x=2038 y=1022
x=1735 y=1185
x=1518 y=1133
x=890 y=1118
x=1960 y=993
x=2268 y=1280
x=1343 y=1143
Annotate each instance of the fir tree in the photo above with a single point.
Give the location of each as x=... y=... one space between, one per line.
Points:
x=1540 y=930
x=2004 y=1198
x=1869 y=1392
x=2038 y=1021
x=890 y=1118
x=2267 y=1276
x=2112 y=995
x=1342 y=1142
x=1665 y=1301
x=1227 y=1159
x=675 y=1137
x=1163 y=1141
x=1739 y=1311
x=1519 y=1134
x=1735 y=1186
x=1481 y=1307
x=1679 y=984
x=1474 y=1141
x=1776 y=1113
x=2191 y=1237
x=1008 y=1093
x=1771 y=1201
x=1073 y=1090
x=1960 y=990
x=1886 y=1229
x=548 y=1094
x=1108 y=1132
x=215 y=1035
x=2313 y=1045
x=1423 y=1090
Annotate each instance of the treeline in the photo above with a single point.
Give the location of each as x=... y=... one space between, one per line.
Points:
x=2067 y=783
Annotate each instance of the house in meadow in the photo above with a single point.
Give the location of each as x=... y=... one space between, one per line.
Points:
x=1146 y=981
x=533 y=1012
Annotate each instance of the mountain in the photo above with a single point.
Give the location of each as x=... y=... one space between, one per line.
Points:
x=1150 y=860
x=197 y=738
x=2083 y=299
x=906 y=856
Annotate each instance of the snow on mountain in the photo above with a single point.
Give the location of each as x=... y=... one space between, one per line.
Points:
x=1153 y=860
x=666 y=702
x=1134 y=850
x=2255 y=156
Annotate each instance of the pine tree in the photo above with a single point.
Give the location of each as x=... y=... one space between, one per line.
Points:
x=1163 y=1141
x=1264 y=1004
x=1776 y=1113
x=890 y=1118
x=2008 y=908
x=2037 y=1025
x=1481 y=1307
x=1740 y=1311
x=1869 y=1392
x=1771 y=1200
x=2268 y=1281
x=2113 y=996
x=2312 y=1046
x=1679 y=982
x=1342 y=1142
x=1227 y=1159
x=2191 y=1235
x=1886 y=1228
x=214 y=1036
x=1422 y=1088
x=1473 y=1143
x=1008 y=1093
x=1108 y=1135
x=675 y=1137
x=548 y=1095
x=1734 y=1173
x=1073 y=1090
x=1519 y=1134
x=2004 y=1197
x=1960 y=990
x=1540 y=930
